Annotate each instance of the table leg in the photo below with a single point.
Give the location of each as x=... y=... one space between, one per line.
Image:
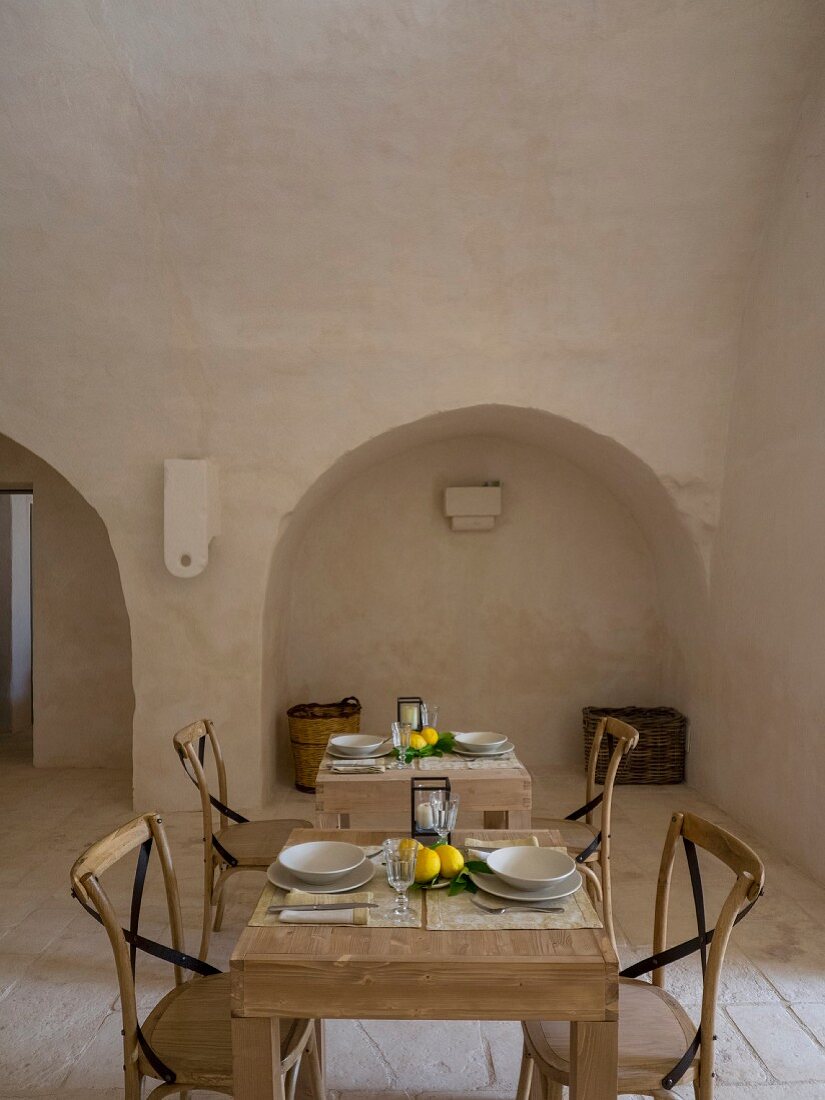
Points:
x=256 y=1058
x=594 y=1060
x=326 y=820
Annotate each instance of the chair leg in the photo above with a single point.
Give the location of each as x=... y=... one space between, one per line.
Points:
x=525 y=1077
x=318 y=1086
x=208 y=889
x=219 y=898
x=552 y=1090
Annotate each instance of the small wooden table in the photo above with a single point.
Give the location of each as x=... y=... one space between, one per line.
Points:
x=503 y=794
x=346 y=972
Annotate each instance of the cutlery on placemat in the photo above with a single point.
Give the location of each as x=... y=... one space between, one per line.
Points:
x=324 y=907
x=496 y=910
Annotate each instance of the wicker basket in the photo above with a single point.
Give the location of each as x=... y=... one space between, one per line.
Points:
x=310 y=727
x=660 y=755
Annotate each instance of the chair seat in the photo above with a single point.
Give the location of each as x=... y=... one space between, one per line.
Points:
x=257 y=843
x=654 y=1033
x=190 y=1030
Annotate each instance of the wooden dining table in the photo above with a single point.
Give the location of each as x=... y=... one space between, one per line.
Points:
x=500 y=790
x=346 y=972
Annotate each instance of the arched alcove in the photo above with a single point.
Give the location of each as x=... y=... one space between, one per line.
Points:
x=618 y=584
x=83 y=700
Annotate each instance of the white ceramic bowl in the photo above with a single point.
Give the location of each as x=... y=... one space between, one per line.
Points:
x=356 y=744
x=529 y=868
x=321 y=861
x=481 y=741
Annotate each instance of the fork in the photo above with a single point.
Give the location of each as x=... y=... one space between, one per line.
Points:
x=496 y=910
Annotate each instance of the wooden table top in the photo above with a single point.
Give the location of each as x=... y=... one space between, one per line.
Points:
x=394 y=973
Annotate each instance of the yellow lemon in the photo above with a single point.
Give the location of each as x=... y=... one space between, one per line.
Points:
x=417 y=742
x=452 y=861
x=430 y=735
x=427 y=865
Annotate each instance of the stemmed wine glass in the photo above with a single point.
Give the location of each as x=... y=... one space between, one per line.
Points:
x=445 y=812
x=429 y=715
x=401 y=734
x=399 y=856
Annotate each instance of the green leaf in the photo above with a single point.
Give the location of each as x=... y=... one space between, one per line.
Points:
x=478 y=866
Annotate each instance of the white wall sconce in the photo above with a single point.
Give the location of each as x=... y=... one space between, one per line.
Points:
x=473 y=507
x=191 y=514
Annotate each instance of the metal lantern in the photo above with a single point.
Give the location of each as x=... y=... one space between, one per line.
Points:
x=421 y=820
x=409 y=710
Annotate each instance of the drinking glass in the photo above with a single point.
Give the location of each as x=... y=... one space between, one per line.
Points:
x=401 y=734
x=399 y=856
x=445 y=812
x=429 y=715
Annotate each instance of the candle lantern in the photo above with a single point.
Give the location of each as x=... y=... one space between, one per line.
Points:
x=421 y=815
x=409 y=710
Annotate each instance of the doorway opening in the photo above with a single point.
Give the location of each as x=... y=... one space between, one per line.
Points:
x=16 y=694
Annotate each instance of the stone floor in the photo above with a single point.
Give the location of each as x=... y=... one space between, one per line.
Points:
x=59 y=1014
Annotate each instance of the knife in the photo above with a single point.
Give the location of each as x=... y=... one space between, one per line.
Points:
x=324 y=907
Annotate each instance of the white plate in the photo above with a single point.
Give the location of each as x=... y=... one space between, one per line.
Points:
x=356 y=744
x=492 y=884
x=367 y=755
x=353 y=880
x=507 y=747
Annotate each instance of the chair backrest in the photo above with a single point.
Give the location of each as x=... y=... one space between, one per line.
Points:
x=87 y=888
x=623 y=739
x=749 y=879
x=190 y=744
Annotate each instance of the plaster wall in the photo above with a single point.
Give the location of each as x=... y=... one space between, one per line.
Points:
x=266 y=237
x=768 y=584
x=83 y=699
x=512 y=629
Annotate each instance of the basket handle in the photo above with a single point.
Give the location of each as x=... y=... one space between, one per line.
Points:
x=350 y=699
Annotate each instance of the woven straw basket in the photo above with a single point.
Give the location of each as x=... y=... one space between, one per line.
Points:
x=660 y=755
x=310 y=727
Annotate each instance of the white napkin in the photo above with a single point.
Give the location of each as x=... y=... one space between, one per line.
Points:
x=355 y=915
x=472 y=845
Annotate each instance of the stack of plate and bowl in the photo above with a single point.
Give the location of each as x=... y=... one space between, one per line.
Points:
x=529 y=874
x=481 y=743
x=358 y=746
x=321 y=867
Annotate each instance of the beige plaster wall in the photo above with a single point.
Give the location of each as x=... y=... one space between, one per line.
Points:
x=513 y=629
x=83 y=699
x=768 y=581
x=269 y=236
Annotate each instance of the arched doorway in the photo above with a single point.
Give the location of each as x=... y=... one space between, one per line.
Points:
x=590 y=590
x=81 y=659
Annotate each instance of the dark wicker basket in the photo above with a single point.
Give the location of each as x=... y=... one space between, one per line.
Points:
x=310 y=727
x=660 y=755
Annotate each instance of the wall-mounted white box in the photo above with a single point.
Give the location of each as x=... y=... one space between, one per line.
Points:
x=191 y=514
x=472 y=507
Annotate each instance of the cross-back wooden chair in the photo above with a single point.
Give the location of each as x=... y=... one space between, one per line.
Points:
x=237 y=844
x=185 y=1041
x=590 y=841
x=659 y=1046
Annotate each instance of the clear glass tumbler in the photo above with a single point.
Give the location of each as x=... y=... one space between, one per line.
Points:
x=401 y=734
x=429 y=715
x=399 y=856
x=445 y=812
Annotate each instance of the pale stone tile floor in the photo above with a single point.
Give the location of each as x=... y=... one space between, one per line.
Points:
x=59 y=1013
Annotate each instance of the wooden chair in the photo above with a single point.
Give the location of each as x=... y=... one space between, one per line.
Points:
x=185 y=1041
x=590 y=843
x=658 y=1044
x=238 y=844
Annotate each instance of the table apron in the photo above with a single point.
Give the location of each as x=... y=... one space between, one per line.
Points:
x=395 y=990
x=352 y=796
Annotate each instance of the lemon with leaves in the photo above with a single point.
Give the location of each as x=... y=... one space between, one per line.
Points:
x=427 y=865
x=451 y=860
x=417 y=742
x=430 y=735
